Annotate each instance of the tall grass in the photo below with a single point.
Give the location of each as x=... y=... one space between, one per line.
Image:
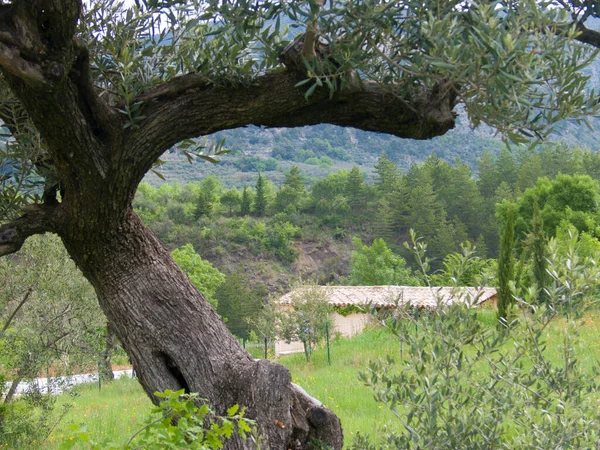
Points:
x=118 y=409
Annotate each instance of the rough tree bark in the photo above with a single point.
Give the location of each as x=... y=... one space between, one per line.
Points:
x=173 y=336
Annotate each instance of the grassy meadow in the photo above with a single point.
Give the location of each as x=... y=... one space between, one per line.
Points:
x=118 y=409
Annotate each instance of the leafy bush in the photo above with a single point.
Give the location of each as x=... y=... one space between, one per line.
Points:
x=202 y=274
x=28 y=421
x=179 y=421
x=278 y=240
x=378 y=265
x=460 y=383
x=307 y=322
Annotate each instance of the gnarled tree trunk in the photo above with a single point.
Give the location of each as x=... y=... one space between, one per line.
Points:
x=176 y=340
x=173 y=336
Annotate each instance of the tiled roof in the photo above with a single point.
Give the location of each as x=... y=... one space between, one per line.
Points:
x=382 y=296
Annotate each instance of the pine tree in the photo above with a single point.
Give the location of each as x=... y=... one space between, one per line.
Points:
x=295 y=180
x=355 y=188
x=488 y=179
x=506 y=168
x=246 y=201
x=506 y=262
x=204 y=205
x=292 y=191
x=383 y=224
x=260 y=201
x=386 y=175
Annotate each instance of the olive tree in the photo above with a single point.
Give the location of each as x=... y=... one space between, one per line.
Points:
x=94 y=92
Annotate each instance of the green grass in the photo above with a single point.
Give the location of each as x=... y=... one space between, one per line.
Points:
x=338 y=385
x=116 y=411
x=119 y=408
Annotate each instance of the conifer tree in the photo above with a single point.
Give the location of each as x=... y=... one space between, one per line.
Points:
x=260 y=201
x=488 y=179
x=246 y=202
x=383 y=225
x=294 y=180
x=386 y=175
x=506 y=262
x=355 y=188
x=537 y=243
x=292 y=191
x=204 y=205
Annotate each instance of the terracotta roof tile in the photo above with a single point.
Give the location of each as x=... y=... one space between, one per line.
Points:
x=417 y=296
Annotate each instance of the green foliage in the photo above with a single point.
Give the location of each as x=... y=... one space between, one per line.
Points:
x=180 y=420
x=377 y=265
x=278 y=238
x=455 y=365
x=260 y=198
x=48 y=311
x=28 y=421
x=246 y=201
x=231 y=199
x=292 y=191
x=309 y=319
x=345 y=311
x=537 y=244
x=575 y=198
x=239 y=303
x=506 y=263
x=201 y=273
x=354 y=189
x=573 y=271
x=464 y=269
x=204 y=206
x=443 y=202
x=386 y=175
x=49 y=317
x=460 y=384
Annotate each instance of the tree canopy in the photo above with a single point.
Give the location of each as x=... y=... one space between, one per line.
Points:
x=415 y=63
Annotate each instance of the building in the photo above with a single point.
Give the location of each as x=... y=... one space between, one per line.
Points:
x=378 y=297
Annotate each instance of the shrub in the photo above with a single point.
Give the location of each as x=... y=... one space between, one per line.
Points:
x=462 y=383
x=179 y=421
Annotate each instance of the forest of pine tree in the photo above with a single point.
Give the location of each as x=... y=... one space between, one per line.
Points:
x=307 y=226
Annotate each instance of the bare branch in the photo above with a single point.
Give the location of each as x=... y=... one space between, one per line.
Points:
x=37 y=219
x=19 y=306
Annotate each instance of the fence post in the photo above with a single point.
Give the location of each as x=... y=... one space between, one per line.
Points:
x=327 y=338
x=266 y=349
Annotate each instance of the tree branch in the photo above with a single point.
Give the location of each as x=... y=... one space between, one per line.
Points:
x=14 y=313
x=588 y=36
x=37 y=219
x=11 y=60
x=187 y=107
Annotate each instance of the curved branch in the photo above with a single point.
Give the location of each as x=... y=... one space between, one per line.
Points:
x=588 y=36
x=37 y=219
x=186 y=107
